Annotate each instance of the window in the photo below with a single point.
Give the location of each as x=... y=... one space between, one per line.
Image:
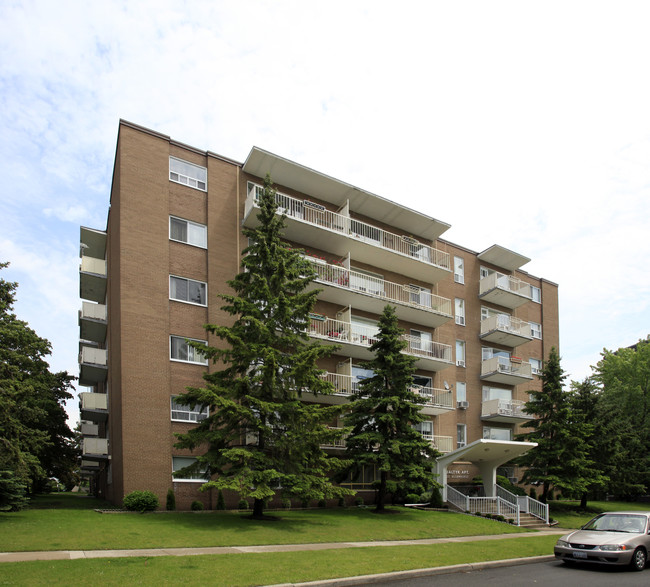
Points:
x=488 y=353
x=420 y=295
x=460 y=312
x=183 y=413
x=425 y=428
x=491 y=433
x=461 y=435
x=484 y=271
x=536 y=366
x=359 y=374
x=422 y=381
x=461 y=391
x=459 y=270
x=366 y=281
x=187 y=290
x=535 y=330
x=364 y=479
x=421 y=341
x=536 y=294
x=179 y=463
x=181 y=351
x=490 y=393
x=460 y=353
x=188 y=232
x=189 y=174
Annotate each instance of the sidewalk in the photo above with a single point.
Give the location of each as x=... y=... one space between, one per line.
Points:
x=7 y=557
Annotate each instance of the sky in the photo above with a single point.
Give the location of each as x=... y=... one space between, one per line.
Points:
x=520 y=123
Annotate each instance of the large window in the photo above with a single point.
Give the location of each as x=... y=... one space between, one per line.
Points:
x=490 y=393
x=179 y=463
x=535 y=330
x=425 y=428
x=459 y=270
x=363 y=480
x=187 y=290
x=460 y=312
x=460 y=353
x=185 y=231
x=461 y=391
x=536 y=366
x=421 y=341
x=183 y=413
x=536 y=294
x=180 y=350
x=461 y=435
x=189 y=174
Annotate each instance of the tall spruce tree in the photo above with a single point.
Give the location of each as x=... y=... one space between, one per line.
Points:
x=382 y=416
x=260 y=438
x=560 y=458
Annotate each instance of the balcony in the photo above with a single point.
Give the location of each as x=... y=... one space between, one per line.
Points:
x=442 y=444
x=339 y=443
x=92 y=279
x=92 y=322
x=93 y=365
x=356 y=340
x=506 y=371
x=505 y=411
x=89 y=466
x=505 y=330
x=89 y=429
x=347 y=287
x=309 y=223
x=437 y=401
x=95 y=449
x=504 y=290
x=93 y=406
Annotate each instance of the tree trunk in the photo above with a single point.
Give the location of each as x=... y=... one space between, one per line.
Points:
x=381 y=492
x=583 y=501
x=258 y=509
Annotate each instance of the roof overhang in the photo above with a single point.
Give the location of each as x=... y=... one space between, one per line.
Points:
x=495 y=452
x=307 y=181
x=502 y=257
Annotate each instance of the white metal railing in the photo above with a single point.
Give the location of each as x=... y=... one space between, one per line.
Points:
x=524 y=503
x=440 y=398
x=386 y=290
x=339 y=330
x=93 y=401
x=318 y=215
x=504 y=407
x=343 y=384
x=442 y=443
x=458 y=499
x=92 y=265
x=537 y=509
x=95 y=446
x=505 y=323
x=506 y=283
x=89 y=429
x=506 y=365
x=92 y=311
x=93 y=356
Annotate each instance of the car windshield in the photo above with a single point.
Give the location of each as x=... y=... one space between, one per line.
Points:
x=617 y=523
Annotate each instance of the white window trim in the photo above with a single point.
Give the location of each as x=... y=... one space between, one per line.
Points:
x=463 y=396
x=183 y=480
x=459 y=311
x=187 y=242
x=535 y=370
x=461 y=362
x=188 y=178
x=461 y=443
x=536 y=332
x=190 y=411
x=459 y=277
x=187 y=301
x=172 y=336
x=539 y=289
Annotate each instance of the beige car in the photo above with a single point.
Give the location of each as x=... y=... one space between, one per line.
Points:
x=611 y=538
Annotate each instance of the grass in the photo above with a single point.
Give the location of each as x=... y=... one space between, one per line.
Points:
x=71 y=524
x=569 y=515
x=268 y=568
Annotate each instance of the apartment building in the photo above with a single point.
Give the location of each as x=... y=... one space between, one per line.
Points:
x=479 y=326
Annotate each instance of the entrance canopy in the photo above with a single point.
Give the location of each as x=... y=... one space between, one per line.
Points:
x=487 y=455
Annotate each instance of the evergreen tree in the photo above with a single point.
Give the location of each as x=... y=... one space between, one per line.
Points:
x=560 y=459
x=35 y=440
x=623 y=418
x=260 y=437
x=382 y=415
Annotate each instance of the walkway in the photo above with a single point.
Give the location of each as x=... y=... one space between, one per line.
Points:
x=7 y=557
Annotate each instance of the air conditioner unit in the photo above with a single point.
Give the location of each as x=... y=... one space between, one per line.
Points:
x=460 y=320
x=462 y=405
x=459 y=278
x=460 y=363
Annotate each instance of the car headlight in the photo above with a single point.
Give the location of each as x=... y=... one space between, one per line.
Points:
x=614 y=547
x=562 y=543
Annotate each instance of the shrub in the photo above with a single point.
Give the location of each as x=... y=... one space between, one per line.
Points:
x=196 y=506
x=170 y=506
x=358 y=500
x=221 y=502
x=141 y=501
x=412 y=498
x=12 y=492
x=322 y=503
x=436 y=498
x=286 y=503
x=243 y=504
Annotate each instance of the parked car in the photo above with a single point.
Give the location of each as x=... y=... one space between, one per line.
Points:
x=611 y=538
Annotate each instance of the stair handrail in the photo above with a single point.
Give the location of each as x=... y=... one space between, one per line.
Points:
x=503 y=493
x=455 y=497
x=538 y=509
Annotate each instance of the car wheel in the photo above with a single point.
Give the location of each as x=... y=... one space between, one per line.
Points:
x=639 y=559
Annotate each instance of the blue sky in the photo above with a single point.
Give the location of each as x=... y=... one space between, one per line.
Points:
x=519 y=123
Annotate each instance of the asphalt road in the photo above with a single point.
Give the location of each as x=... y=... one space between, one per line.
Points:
x=551 y=573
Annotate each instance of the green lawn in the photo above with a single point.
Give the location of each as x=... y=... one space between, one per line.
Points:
x=568 y=514
x=72 y=526
x=266 y=569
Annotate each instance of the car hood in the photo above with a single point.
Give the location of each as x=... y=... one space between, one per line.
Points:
x=598 y=537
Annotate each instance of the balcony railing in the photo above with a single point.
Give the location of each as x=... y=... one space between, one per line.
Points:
x=506 y=330
x=504 y=290
x=338 y=443
x=504 y=370
x=403 y=294
x=92 y=279
x=507 y=409
x=340 y=331
x=317 y=215
x=437 y=398
x=442 y=444
x=95 y=446
x=92 y=322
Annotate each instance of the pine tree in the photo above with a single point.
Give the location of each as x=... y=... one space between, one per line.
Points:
x=261 y=439
x=382 y=416
x=560 y=458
